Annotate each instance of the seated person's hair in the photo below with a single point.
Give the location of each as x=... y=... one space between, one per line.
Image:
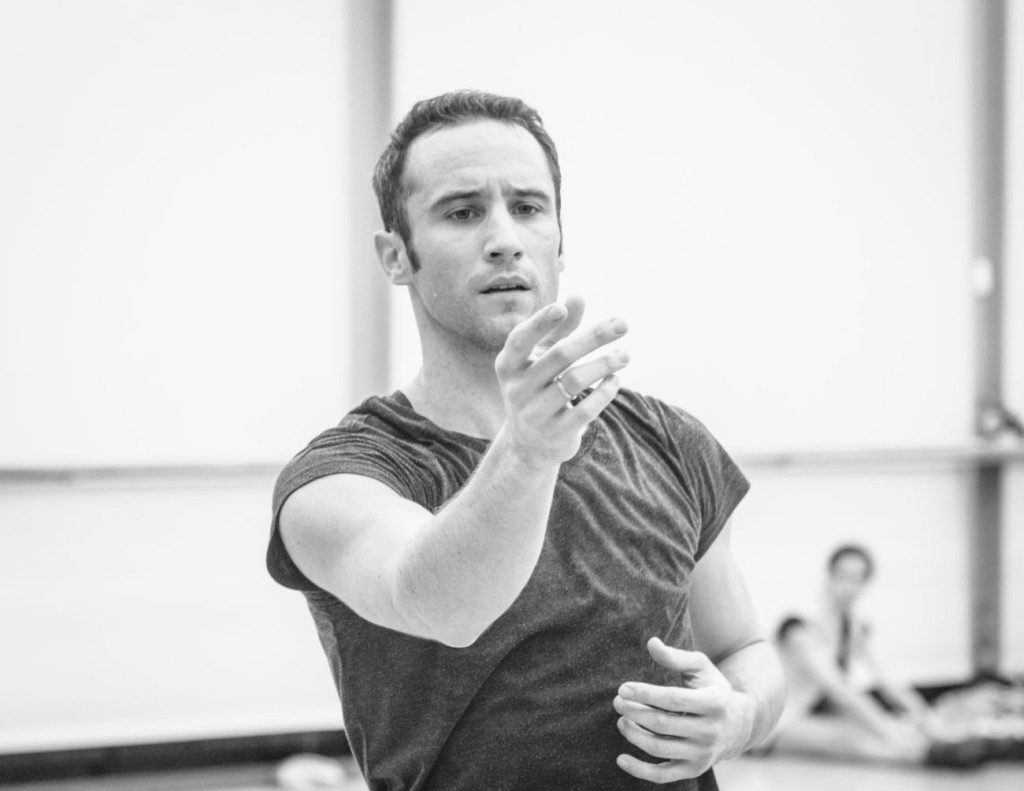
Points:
x=856 y=550
x=787 y=626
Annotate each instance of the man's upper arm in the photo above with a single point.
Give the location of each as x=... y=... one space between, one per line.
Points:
x=721 y=610
x=347 y=533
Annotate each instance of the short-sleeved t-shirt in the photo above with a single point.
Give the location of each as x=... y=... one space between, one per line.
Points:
x=529 y=704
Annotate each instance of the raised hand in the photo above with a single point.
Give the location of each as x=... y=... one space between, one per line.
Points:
x=541 y=374
x=691 y=726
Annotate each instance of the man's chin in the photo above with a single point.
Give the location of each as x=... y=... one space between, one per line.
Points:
x=497 y=330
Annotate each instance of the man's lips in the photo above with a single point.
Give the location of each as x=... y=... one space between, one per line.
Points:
x=505 y=290
x=505 y=286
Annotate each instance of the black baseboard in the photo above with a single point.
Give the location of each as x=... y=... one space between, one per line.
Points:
x=932 y=692
x=165 y=756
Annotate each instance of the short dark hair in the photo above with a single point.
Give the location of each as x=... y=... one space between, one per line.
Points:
x=852 y=550
x=451 y=109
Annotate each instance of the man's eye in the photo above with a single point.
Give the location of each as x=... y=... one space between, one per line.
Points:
x=528 y=209
x=461 y=214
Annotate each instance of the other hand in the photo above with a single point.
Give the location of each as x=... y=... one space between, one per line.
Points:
x=692 y=726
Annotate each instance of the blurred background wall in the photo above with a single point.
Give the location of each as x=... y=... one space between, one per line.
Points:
x=175 y=221
x=776 y=195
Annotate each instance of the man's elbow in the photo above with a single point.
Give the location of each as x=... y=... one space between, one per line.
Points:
x=753 y=642
x=452 y=635
x=460 y=639
x=451 y=626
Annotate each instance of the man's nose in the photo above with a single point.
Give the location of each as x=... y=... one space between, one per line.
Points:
x=502 y=243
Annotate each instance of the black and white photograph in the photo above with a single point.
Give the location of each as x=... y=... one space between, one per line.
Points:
x=463 y=395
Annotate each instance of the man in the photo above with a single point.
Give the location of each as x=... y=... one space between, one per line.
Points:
x=511 y=561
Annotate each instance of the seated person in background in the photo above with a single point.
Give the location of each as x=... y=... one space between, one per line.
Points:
x=840 y=704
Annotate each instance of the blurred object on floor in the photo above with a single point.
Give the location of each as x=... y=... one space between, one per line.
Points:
x=312 y=772
x=992 y=711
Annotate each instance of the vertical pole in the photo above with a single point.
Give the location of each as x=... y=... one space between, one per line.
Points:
x=985 y=552
x=988 y=111
x=369 y=48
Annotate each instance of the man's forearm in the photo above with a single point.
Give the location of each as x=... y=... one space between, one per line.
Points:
x=755 y=672
x=470 y=562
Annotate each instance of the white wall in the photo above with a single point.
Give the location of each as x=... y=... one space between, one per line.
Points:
x=172 y=187
x=173 y=200
x=142 y=612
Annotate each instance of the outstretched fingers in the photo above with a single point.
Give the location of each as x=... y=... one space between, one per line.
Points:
x=569 y=351
x=518 y=352
x=574 y=382
x=544 y=376
x=550 y=354
x=574 y=307
x=585 y=407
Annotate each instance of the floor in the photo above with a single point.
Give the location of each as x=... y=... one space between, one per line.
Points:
x=783 y=774
x=746 y=774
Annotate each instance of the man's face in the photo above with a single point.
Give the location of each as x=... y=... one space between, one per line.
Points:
x=484 y=229
x=847 y=579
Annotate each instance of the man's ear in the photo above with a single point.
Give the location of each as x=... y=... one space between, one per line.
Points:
x=393 y=257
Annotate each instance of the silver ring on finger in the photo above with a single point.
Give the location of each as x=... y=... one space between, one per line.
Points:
x=562 y=389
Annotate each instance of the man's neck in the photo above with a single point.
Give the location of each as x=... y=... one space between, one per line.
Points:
x=459 y=396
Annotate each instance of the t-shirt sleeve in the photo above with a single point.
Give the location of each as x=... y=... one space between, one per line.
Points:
x=334 y=452
x=716 y=481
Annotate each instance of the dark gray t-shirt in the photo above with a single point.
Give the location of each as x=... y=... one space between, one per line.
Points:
x=529 y=705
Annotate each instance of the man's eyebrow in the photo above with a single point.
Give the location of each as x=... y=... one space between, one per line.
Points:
x=456 y=195
x=475 y=194
x=530 y=192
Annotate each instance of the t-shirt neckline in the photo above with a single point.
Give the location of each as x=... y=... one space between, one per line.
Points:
x=403 y=401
